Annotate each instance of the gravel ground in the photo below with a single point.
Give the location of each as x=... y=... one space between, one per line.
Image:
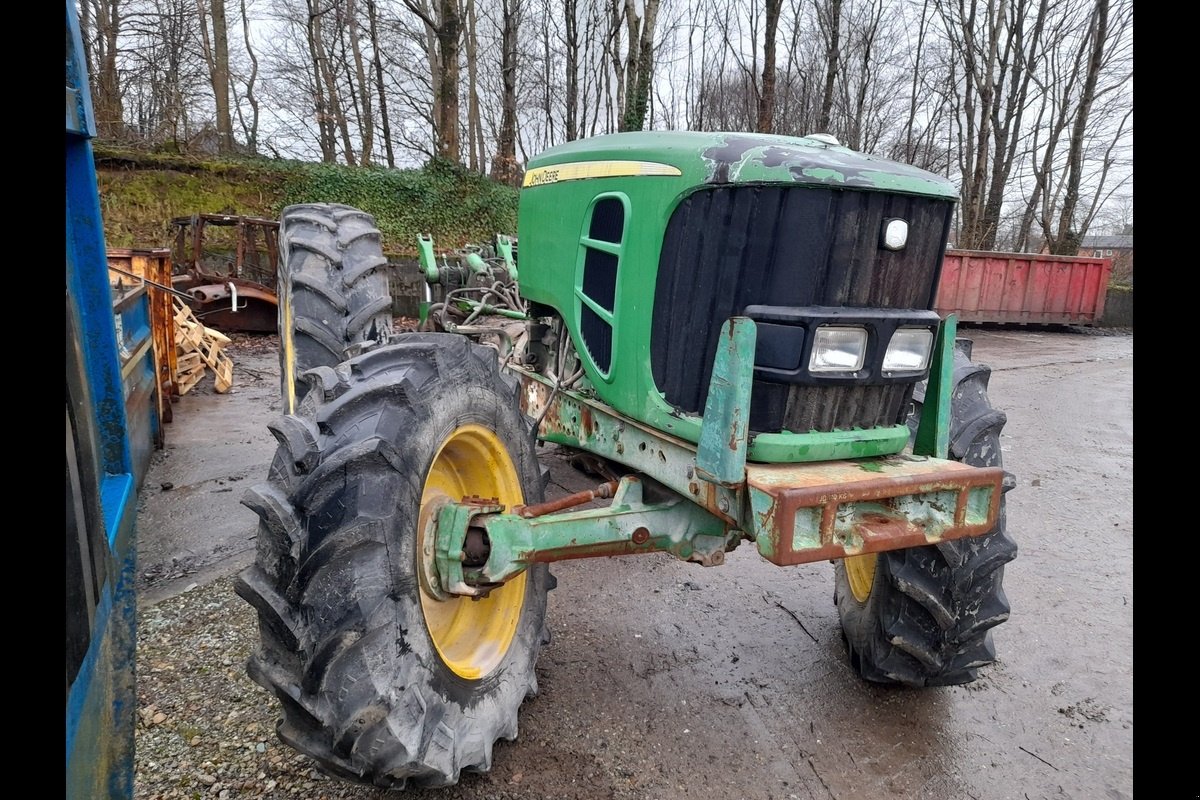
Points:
x=205 y=730
x=192 y=649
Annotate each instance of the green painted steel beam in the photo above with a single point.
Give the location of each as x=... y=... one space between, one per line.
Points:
x=933 y=429
x=428 y=260
x=578 y=421
x=630 y=525
x=505 y=250
x=721 y=451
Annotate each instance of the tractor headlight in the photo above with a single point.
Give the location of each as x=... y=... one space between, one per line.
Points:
x=838 y=349
x=895 y=234
x=909 y=350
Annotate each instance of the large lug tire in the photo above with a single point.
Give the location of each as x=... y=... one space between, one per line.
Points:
x=923 y=616
x=378 y=682
x=332 y=289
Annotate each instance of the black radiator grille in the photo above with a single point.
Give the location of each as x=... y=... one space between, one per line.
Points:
x=730 y=247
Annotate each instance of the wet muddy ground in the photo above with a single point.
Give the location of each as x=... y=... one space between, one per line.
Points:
x=668 y=680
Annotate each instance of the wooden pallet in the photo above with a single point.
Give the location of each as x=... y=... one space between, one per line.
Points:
x=200 y=347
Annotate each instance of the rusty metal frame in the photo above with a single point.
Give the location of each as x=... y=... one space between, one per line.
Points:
x=154 y=266
x=189 y=261
x=211 y=290
x=850 y=517
x=795 y=513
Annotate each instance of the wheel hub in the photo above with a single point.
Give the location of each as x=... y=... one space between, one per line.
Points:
x=471 y=634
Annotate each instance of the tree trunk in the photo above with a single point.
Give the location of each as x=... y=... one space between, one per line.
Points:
x=220 y=76
x=909 y=147
x=107 y=104
x=1069 y=235
x=832 y=55
x=547 y=82
x=570 y=12
x=367 y=121
x=383 y=112
x=504 y=164
x=474 y=143
x=332 y=98
x=435 y=80
x=617 y=107
x=1018 y=61
x=641 y=60
x=449 y=36
x=632 y=21
x=326 y=129
x=251 y=131
x=970 y=37
x=766 y=99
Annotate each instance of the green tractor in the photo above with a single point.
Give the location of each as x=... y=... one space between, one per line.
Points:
x=734 y=329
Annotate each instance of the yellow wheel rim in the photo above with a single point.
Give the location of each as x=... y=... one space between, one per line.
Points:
x=472 y=636
x=860 y=572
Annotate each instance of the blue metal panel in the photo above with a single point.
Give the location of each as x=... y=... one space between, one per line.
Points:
x=101 y=697
x=80 y=120
x=135 y=343
x=88 y=287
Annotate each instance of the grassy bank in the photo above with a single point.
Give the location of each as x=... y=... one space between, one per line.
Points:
x=141 y=192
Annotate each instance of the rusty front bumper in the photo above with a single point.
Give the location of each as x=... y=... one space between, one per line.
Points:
x=813 y=512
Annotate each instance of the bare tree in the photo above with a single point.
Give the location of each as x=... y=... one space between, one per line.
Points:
x=1083 y=117
x=1065 y=240
x=446 y=29
x=251 y=129
x=366 y=114
x=766 y=100
x=326 y=117
x=100 y=24
x=829 y=18
x=639 y=63
x=475 y=144
x=164 y=75
x=216 y=54
x=504 y=163
x=378 y=63
x=571 y=56
x=999 y=44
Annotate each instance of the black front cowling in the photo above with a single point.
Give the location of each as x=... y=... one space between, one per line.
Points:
x=731 y=248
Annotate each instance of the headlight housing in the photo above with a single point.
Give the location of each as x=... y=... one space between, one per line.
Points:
x=908 y=351
x=838 y=348
x=895 y=234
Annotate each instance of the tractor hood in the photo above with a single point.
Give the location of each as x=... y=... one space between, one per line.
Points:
x=730 y=158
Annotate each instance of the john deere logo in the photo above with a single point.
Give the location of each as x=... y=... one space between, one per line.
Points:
x=595 y=169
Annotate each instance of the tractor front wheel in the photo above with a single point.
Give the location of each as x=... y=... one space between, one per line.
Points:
x=379 y=681
x=923 y=616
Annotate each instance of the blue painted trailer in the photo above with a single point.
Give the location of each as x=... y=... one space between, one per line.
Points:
x=112 y=422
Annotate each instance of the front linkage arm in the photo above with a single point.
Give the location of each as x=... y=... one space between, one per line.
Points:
x=479 y=547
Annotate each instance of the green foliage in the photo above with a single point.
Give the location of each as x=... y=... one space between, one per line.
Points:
x=141 y=192
x=445 y=200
